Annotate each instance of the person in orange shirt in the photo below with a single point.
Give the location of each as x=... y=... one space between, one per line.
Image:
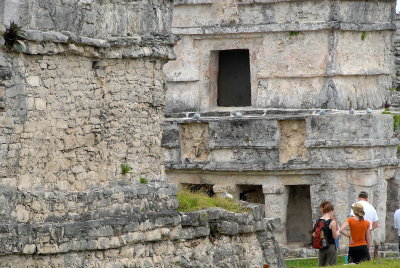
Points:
x=359 y=236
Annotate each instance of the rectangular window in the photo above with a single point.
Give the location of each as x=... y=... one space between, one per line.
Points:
x=234 y=78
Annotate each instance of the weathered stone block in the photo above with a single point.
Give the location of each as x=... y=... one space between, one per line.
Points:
x=292 y=142
x=243 y=133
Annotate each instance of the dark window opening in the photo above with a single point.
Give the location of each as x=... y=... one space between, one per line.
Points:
x=251 y=193
x=299 y=217
x=234 y=78
x=200 y=188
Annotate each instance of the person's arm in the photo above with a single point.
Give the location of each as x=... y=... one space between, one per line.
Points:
x=375 y=225
x=368 y=237
x=333 y=226
x=344 y=227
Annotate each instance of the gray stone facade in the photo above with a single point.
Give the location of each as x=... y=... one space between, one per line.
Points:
x=85 y=96
x=297 y=143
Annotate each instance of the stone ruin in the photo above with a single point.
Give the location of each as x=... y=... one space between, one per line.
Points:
x=280 y=103
x=85 y=95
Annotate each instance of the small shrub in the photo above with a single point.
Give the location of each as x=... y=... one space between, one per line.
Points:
x=293 y=33
x=363 y=35
x=144 y=180
x=393 y=88
x=14 y=36
x=125 y=169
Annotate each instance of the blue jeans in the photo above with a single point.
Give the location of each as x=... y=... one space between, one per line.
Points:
x=337 y=242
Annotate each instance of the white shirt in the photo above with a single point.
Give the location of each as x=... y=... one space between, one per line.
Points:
x=370 y=212
x=397 y=221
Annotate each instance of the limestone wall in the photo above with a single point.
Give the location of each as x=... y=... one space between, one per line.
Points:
x=336 y=155
x=303 y=54
x=85 y=95
x=77 y=119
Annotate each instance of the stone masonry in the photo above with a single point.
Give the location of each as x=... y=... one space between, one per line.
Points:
x=85 y=95
x=306 y=135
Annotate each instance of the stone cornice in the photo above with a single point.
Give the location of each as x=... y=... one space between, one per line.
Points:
x=251 y=2
x=283 y=27
x=156 y=45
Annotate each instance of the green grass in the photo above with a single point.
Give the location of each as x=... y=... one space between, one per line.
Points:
x=380 y=263
x=189 y=201
x=143 y=180
x=125 y=169
x=312 y=262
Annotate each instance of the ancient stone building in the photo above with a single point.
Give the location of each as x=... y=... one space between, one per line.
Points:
x=83 y=95
x=259 y=98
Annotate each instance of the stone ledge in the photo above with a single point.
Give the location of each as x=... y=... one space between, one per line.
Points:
x=50 y=43
x=69 y=37
x=351 y=143
x=241 y=2
x=286 y=168
x=283 y=27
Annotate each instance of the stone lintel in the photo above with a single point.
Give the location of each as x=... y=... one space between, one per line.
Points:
x=291 y=166
x=245 y=2
x=283 y=27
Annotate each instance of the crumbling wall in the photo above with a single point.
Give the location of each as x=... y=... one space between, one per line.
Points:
x=129 y=225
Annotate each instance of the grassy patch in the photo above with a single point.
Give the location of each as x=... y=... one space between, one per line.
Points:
x=125 y=169
x=189 y=201
x=380 y=263
x=311 y=262
x=143 y=180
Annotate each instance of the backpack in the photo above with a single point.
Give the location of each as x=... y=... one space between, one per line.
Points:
x=319 y=238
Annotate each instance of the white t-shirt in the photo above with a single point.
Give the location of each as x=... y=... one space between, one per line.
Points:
x=370 y=212
x=397 y=221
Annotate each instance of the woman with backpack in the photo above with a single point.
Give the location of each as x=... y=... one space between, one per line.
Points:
x=359 y=236
x=324 y=235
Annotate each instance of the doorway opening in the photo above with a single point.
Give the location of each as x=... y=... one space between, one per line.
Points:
x=299 y=216
x=251 y=193
x=392 y=202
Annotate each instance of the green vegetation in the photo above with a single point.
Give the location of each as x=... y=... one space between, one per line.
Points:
x=189 y=201
x=311 y=262
x=363 y=35
x=125 y=169
x=396 y=118
x=393 y=88
x=144 y=180
x=14 y=36
x=293 y=33
x=379 y=263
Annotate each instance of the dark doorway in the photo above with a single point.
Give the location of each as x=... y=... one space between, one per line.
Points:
x=251 y=193
x=299 y=218
x=391 y=206
x=234 y=78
